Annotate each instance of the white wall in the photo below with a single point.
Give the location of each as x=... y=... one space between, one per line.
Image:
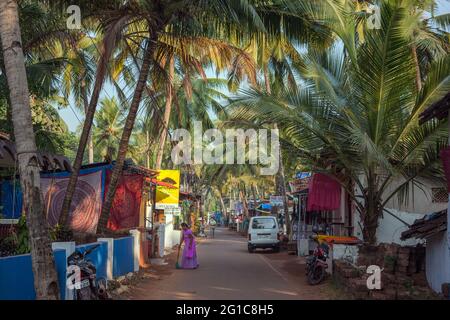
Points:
x=171 y=236
x=168 y=231
x=419 y=200
x=438 y=261
x=390 y=229
x=176 y=237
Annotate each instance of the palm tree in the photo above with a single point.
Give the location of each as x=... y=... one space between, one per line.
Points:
x=175 y=18
x=108 y=127
x=78 y=76
x=112 y=23
x=45 y=278
x=356 y=116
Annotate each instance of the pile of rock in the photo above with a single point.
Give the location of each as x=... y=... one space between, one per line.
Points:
x=402 y=276
x=123 y=284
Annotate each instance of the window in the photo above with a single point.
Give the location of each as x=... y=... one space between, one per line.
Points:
x=439 y=195
x=263 y=223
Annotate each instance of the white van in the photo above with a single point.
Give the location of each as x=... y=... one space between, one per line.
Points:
x=263 y=232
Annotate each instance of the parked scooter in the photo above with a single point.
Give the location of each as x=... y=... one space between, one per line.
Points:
x=316 y=264
x=90 y=287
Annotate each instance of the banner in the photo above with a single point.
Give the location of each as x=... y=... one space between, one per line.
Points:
x=168 y=197
x=127 y=201
x=86 y=202
x=276 y=201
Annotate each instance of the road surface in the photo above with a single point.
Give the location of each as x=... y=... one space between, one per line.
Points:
x=228 y=271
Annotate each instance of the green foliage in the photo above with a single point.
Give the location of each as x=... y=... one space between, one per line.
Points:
x=18 y=242
x=23 y=239
x=61 y=233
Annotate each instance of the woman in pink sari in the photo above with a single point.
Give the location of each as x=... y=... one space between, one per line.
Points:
x=189 y=257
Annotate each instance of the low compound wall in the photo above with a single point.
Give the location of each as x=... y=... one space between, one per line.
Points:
x=113 y=258
x=16 y=276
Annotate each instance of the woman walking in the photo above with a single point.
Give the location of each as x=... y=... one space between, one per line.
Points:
x=189 y=258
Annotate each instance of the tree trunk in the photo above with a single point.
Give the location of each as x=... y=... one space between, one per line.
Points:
x=147 y=151
x=267 y=79
x=45 y=277
x=86 y=110
x=222 y=204
x=244 y=201
x=257 y=191
x=254 y=197
x=281 y=190
x=88 y=120
x=129 y=124
x=417 y=68
x=372 y=210
x=167 y=111
x=370 y=224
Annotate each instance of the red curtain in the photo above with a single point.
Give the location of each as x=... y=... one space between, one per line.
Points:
x=127 y=201
x=324 y=193
x=445 y=157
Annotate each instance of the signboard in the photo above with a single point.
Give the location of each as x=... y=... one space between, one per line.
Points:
x=298 y=185
x=168 y=198
x=175 y=211
x=303 y=175
x=276 y=201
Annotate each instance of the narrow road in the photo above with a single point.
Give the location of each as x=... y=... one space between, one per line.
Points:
x=228 y=271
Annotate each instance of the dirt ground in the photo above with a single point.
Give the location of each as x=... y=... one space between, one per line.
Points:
x=228 y=271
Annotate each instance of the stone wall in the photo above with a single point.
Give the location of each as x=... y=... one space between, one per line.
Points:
x=402 y=276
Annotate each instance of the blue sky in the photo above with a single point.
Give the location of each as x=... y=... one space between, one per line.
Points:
x=73 y=117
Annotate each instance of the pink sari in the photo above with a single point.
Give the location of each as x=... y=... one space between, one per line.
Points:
x=189 y=257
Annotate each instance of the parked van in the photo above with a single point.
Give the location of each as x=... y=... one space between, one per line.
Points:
x=263 y=232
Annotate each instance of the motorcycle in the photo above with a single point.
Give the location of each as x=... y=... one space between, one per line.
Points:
x=316 y=264
x=89 y=288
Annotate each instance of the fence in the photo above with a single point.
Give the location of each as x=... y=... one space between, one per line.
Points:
x=113 y=258
x=16 y=276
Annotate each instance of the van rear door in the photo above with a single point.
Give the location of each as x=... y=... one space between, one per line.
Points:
x=265 y=228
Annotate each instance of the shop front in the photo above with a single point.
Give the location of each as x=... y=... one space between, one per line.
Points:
x=320 y=204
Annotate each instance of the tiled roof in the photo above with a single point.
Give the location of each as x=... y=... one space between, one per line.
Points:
x=427 y=226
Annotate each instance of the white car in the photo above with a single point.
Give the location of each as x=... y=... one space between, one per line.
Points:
x=263 y=232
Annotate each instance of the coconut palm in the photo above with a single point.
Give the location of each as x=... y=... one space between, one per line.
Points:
x=174 y=17
x=356 y=116
x=108 y=128
x=45 y=277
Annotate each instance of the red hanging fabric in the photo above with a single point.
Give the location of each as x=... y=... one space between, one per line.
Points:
x=445 y=158
x=324 y=193
x=127 y=201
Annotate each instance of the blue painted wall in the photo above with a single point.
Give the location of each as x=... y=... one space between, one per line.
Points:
x=16 y=276
x=99 y=257
x=123 y=256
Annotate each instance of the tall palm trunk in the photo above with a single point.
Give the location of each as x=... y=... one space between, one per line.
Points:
x=280 y=180
x=243 y=197
x=254 y=196
x=129 y=124
x=167 y=111
x=372 y=210
x=281 y=190
x=90 y=140
x=222 y=204
x=45 y=277
x=267 y=79
x=88 y=120
x=417 y=67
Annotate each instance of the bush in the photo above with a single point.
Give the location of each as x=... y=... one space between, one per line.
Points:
x=61 y=233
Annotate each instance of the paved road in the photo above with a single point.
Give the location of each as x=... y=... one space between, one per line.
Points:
x=228 y=271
